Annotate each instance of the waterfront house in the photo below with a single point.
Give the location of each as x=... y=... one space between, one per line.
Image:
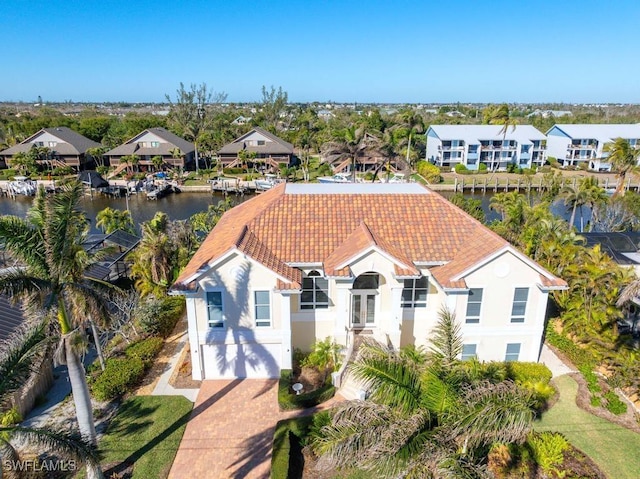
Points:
x=580 y=144
x=303 y=262
x=153 y=142
x=61 y=147
x=257 y=146
x=471 y=145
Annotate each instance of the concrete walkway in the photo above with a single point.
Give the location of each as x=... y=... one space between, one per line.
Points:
x=163 y=388
x=553 y=362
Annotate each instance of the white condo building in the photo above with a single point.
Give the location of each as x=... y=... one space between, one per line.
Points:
x=573 y=145
x=470 y=145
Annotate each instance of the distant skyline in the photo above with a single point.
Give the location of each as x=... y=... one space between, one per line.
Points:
x=343 y=51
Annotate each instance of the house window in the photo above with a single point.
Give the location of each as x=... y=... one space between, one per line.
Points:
x=315 y=290
x=473 y=305
x=214 y=309
x=155 y=144
x=468 y=351
x=263 y=308
x=519 y=305
x=261 y=142
x=513 y=352
x=414 y=294
x=53 y=143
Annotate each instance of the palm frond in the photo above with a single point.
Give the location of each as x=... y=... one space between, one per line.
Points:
x=23 y=240
x=18 y=358
x=17 y=282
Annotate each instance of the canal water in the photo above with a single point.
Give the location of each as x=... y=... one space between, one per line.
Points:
x=182 y=206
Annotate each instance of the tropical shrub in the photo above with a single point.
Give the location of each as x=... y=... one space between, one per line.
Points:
x=577 y=355
x=614 y=404
x=8 y=173
x=159 y=316
x=288 y=400
x=10 y=417
x=428 y=171
x=119 y=376
x=591 y=379
x=325 y=355
x=522 y=372
x=145 y=350
x=483 y=168
x=233 y=171
x=548 y=450
x=460 y=168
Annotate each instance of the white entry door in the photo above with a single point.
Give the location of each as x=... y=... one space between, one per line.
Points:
x=363 y=308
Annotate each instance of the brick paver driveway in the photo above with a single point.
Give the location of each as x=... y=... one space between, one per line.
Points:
x=230 y=432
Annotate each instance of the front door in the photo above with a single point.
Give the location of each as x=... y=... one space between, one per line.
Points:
x=363 y=307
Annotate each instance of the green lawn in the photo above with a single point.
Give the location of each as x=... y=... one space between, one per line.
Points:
x=612 y=447
x=146 y=432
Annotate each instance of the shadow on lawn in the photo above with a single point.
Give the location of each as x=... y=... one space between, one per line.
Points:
x=126 y=463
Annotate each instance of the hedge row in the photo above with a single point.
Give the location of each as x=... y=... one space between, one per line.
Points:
x=580 y=357
x=524 y=372
x=288 y=400
x=286 y=459
x=122 y=374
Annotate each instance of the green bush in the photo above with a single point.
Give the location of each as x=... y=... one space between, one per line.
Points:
x=460 y=168
x=577 y=355
x=159 y=316
x=542 y=392
x=325 y=355
x=596 y=401
x=591 y=378
x=428 y=171
x=614 y=404
x=548 y=449
x=532 y=372
x=146 y=350
x=119 y=376
x=287 y=400
x=8 y=173
x=233 y=171
x=286 y=459
x=482 y=167
x=10 y=417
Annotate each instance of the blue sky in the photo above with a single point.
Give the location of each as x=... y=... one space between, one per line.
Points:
x=374 y=51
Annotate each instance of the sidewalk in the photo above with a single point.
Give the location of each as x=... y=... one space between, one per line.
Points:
x=553 y=362
x=163 y=388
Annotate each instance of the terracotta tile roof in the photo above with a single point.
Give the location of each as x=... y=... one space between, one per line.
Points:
x=329 y=224
x=552 y=282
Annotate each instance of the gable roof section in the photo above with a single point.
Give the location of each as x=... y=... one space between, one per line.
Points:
x=277 y=145
x=130 y=146
x=71 y=142
x=473 y=134
x=332 y=224
x=600 y=132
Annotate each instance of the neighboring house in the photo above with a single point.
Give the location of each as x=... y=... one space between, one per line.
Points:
x=66 y=147
x=549 y=113
x=256 y=146
x=303 y=262
x=241 y=120
x=575 y=145
x=470 y=145
x=113 y=265
x=152 y=142
x=325 y=115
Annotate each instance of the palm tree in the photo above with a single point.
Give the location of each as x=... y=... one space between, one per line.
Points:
x=157 y=162
x=595 y=196
x=110 y=220
x=574 y=198
x=499 y=115
x=20 y=358
x=414 y=124
x=623 y=158
x=423 y=419
x=49 y=243
x=352 y=143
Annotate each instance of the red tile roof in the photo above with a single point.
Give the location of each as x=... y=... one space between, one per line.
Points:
x=333 y=223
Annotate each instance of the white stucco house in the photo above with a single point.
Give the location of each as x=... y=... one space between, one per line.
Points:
x=576 y=144
x=308 y=261
x=471 y=145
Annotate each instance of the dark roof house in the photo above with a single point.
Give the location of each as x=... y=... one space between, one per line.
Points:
x=259 y=145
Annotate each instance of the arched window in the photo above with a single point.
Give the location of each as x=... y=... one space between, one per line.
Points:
x=367 y=281
x=315 y=292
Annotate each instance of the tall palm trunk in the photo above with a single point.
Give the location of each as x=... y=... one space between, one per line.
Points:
x=573 y=214
x=77 y=378
x=96 y=340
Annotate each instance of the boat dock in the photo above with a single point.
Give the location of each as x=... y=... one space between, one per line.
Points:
x=474 y=185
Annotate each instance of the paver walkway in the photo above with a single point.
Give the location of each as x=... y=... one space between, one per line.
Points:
x=230 y=432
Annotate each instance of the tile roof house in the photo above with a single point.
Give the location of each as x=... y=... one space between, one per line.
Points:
x=152 y=142
x=65 y=145
x=308 y=261
x=258 y=145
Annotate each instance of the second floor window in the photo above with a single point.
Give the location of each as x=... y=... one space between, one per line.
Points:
x=263 y=308
x=519 y=307
x=315 y=292
x=414 y=294
x=214 y=309
x=474 y=304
